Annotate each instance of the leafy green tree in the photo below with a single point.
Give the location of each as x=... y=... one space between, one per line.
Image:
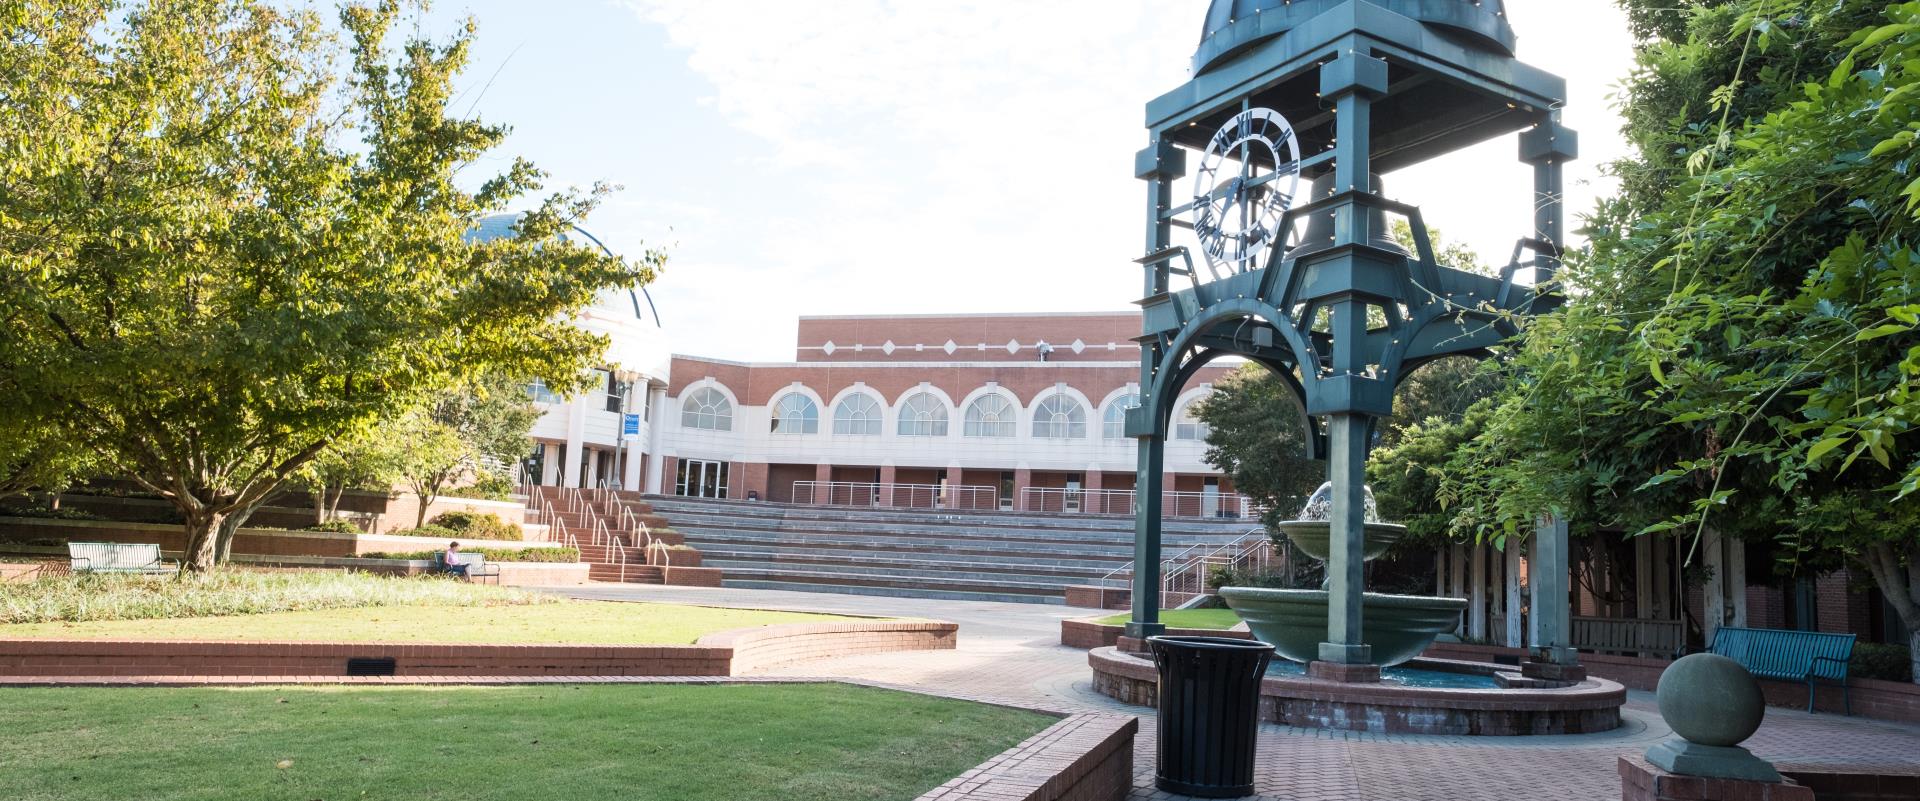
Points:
x=1257 y=436
x=362 y=460
x=220 y=258
x=462 y=433
x=1739 y=350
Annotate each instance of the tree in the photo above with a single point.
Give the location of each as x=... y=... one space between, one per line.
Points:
x=459 y=433
x=366 y=460
x=1741 y=339
x=220 y=259
x=1257 y=436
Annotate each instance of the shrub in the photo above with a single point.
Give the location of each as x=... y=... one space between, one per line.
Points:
x=429 y=530
x=487 y=487
x=336 y=525
x=478 y=525
x=492 y=554
x=235 y=591
x=49 y=514
x=1885 y=661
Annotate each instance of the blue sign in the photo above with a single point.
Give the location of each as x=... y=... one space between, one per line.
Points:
x=630 y=427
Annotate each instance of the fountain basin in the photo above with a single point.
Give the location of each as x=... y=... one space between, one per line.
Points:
x=1391 y=708
x=1314 y=537
x=1294 y=622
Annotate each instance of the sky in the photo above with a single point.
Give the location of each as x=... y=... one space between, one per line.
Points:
x=917 y=156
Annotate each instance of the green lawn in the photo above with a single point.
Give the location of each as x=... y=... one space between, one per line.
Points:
x=585 y=622
x=531 y=743
x=1182 y=618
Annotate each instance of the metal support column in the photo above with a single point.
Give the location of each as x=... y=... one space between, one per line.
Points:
x=1550 y=576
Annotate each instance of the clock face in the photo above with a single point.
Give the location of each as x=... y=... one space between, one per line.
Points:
x=1246 y=183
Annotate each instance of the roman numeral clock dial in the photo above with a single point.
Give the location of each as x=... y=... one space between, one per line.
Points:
x=1246 y=182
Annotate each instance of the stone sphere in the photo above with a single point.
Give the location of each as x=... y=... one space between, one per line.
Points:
x=1711 y=700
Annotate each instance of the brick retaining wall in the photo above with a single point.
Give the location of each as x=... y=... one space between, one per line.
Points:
x=756 y=649
x=1099 y=597
x=1088 y=633
x=1082 y=758
x=721 y=654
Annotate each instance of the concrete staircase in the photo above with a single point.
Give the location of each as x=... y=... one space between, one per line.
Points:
x=983 y=556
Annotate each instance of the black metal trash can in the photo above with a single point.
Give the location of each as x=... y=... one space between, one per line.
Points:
x=1209 y=713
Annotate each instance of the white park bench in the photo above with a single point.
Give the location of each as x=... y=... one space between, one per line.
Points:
x=117 y=557
x=478 y=568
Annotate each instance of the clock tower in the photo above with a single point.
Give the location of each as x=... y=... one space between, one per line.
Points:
x=1240 y=262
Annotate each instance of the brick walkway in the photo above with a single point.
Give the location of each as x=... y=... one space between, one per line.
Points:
x=1011 y=652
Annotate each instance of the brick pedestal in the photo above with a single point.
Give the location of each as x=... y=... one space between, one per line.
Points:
x=1640 y=781
x=1344 y=673
x=1549 y=671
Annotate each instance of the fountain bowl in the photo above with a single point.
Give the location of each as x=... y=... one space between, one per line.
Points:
x=1294 y=622
x=1314 y=537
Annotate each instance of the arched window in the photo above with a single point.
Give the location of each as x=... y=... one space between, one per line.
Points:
x=857 y=415
x=990 y=416
x=796 y=414
x=1059 y=416
x=923 y=415
x=707 y=409
x=1114 y=423
x=1188 y=426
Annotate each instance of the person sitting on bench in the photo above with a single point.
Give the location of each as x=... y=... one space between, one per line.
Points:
x=450 y=560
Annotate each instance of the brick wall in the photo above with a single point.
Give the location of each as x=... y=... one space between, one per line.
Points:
x=756 y=649
x=1082 y=758
x=1088 y=634
x=1099 y=597
x=721 y=654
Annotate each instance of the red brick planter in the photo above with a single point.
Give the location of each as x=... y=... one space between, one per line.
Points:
x=1087 y=633
x=1082 y=758
x=721 y=654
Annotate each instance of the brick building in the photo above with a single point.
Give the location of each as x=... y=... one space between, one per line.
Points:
x=974 y=411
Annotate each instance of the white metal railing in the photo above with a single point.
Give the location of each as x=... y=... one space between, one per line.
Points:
x=1085 y=501
x=1191 y=577
x=632 y=522
x=1121 y=502
x=1189 y=571
x=896 y=496
x=659 y=549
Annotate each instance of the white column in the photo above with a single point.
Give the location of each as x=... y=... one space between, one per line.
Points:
x=1736 y=581
x=1714 y=602
x=1516 y=634
x=549 y=464
x=1661 y=550
x=656 y=438
x=576 y=440
x=1643 y=577
x=1440 y=569
x=1477 y=609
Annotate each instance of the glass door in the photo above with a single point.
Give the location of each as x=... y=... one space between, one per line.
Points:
x=698 y=478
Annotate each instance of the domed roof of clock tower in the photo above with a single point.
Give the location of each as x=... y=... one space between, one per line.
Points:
x=1235 y=25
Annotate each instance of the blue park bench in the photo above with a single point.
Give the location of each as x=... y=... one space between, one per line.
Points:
x=117 y=557
x=1805 y=656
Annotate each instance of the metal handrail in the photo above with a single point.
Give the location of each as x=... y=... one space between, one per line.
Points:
x=971 y=497
x=662 y=549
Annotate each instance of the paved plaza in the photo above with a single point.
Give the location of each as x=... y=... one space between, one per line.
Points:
x=1012 y=652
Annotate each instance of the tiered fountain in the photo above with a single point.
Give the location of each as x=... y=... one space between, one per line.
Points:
x=1414 y=694
x=1398 y=627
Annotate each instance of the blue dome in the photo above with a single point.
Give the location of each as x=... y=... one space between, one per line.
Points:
x=1234 y=25
x=496 y=226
